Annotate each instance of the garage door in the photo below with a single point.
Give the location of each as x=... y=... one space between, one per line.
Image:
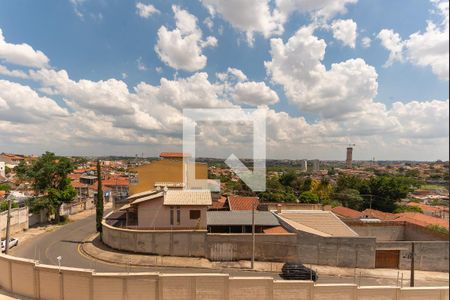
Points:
x=387 y=259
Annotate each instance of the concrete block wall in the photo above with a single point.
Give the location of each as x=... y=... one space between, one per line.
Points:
x=300 y=247
x=162 y=242
x=19 y=220
x=395 y=231
x=268 y=247
x=386 y=231
x=336 y=251
x=27 y=278
x=415 y=232
x=430 y=255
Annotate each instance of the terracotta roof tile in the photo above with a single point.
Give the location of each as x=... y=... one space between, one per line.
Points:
x=242 y=203
x=77 y=184
x=377 y=214
x=220 y=203
x=274 y=230
x=421 y=219
x=173 y=155
x=425 y=207
x=116 y=181
x=347 y=212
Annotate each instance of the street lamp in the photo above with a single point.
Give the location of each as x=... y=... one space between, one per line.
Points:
x=59 y=258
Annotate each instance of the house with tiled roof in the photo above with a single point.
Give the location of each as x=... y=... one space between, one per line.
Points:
x=168 y=209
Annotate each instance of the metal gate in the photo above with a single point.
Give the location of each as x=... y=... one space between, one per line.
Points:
x=387 y=259
x=222 y=252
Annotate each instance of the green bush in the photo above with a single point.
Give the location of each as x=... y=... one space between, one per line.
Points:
x=438 y=228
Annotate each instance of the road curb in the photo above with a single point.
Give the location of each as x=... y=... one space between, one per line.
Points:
x=115 y=257
x=168 y=261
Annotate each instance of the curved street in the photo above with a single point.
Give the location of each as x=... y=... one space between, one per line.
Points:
x=65 y=241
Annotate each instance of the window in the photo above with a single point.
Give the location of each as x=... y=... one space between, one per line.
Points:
x=171 y=215
x=178 y=215
x=194 y=214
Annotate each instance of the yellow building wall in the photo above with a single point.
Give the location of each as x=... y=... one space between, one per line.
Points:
x=165 y=170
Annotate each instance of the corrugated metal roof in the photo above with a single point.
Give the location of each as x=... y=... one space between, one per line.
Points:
x=242 y=217
x=187 y=197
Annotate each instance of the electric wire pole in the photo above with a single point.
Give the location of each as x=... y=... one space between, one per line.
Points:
x=411 y=279
x=8 y=223
x=253 y=236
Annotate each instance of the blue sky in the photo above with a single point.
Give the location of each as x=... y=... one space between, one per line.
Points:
x=98 y=40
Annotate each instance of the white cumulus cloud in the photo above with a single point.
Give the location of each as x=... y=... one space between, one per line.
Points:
x=20 y=103
x=21 y=54
x=297 y=65
x=345 y=31
x=427 y=49
x=254 y=93
x=182 y=47
x=145 y=10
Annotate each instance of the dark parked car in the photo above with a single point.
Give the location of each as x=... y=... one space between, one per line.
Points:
x=292 y=271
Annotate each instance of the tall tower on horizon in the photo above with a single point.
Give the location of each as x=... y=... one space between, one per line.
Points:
x=349 y=160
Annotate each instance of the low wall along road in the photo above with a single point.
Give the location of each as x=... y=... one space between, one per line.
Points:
x=349 y=252
x=27 y=278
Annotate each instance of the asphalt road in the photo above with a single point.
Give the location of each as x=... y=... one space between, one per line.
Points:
x=66 y=240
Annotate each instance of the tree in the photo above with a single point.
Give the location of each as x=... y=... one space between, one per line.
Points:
x=4 y=205
x=408 y=208
x=438 y=228
x=306 y=184
x=322 y=189
x=48 y=175
x=5 y=187
x=308 y=197
x=386 y=190
x=99 y=204
x=349 y=198
x=288 y=178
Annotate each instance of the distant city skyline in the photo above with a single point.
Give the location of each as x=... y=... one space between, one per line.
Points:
x=101 y=78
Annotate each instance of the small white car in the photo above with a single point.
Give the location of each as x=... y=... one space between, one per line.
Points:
x=12 y=242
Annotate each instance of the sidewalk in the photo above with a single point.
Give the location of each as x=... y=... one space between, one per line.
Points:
x=40 y=229
x=95 y=249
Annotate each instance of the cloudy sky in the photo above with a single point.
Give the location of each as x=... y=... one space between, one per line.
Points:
x=97 y=77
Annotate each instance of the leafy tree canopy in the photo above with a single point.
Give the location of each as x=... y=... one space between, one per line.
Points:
x=408 y=208
x=309 y=197
x=48 y=175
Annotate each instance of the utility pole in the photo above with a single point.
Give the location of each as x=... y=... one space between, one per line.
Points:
x=411 y=280
x=8 y=223
x=253 y=236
